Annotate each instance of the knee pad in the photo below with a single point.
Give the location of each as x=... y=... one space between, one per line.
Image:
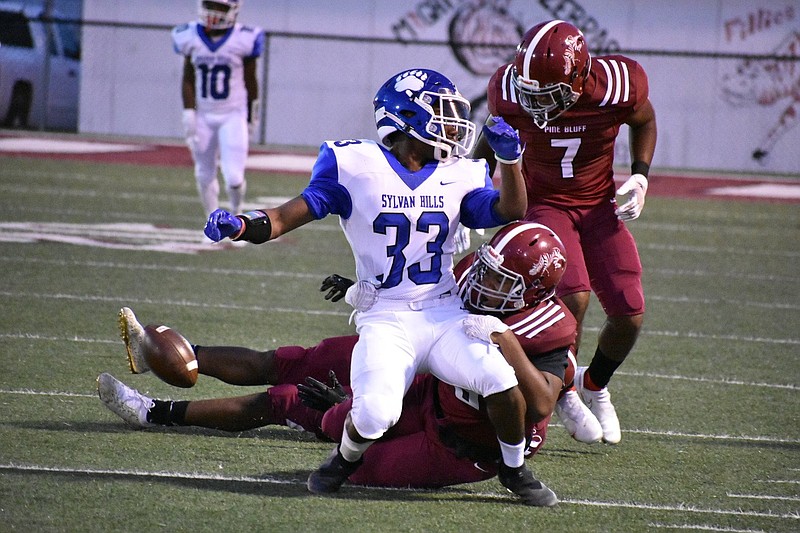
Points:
x=373 y=414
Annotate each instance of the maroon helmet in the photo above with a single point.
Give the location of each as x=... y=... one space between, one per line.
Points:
x=520 y=266
x=550 y=67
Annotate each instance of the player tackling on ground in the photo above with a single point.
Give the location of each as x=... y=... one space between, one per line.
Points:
x=444 y=436
x=399 y=204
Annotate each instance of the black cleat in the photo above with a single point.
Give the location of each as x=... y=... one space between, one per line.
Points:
x=331 y=474
x=521 y=482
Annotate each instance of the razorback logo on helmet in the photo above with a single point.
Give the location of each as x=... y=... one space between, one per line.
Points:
x=550 y=68
x=554 y=257
x=573 y=43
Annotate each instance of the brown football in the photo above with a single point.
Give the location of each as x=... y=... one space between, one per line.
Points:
x=170 y=356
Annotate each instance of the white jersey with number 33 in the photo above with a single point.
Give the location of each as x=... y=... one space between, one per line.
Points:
x=401 y=223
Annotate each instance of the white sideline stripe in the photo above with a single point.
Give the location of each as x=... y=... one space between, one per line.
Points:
x=761 y=190
x=114 y=236
x=685 y=509
x=712 y=437
x=725 y=226
x=37 y=337
x=712 y=336
x=717 y=250
x=700 y=527
x=31 y=392
x=727 y=301
x=733 y=275
x=649 y=375
x=282 y=162
x=764 y=497
x=166 y=268
x=55 y=146
x=279 y=273
x=682 y=508
x=169 y=268
x=183 y=303
x=788 y=386
x=143 y=473
x=143 y=231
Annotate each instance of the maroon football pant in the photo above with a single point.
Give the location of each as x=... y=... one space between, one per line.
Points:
x=601 y=256
x=410 y=454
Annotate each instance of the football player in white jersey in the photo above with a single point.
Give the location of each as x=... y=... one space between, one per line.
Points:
x=399 y=205
x=220 y=97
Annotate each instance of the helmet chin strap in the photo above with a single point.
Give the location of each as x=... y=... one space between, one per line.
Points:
x=442 y=152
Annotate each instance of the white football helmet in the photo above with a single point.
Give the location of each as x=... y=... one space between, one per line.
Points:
x=219 y=14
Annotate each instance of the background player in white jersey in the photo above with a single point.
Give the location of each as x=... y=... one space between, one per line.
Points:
x=220 y=97
x=399 y=206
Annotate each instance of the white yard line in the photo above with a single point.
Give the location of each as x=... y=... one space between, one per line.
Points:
x=265 y=480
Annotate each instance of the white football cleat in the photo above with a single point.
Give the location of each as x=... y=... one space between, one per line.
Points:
x=127 y=403
x=132 y=334
x=599 y=403
x=578 y=420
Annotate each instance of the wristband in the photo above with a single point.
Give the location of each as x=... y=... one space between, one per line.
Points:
x=507 y=161
x=257 y=227
x=640 y=167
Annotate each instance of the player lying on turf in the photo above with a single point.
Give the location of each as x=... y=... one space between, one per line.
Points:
x=444 y=436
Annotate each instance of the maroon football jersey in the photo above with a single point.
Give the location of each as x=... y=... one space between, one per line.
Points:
x=570 y=161
x=541 y=329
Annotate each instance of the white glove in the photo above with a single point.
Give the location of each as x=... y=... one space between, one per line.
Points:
x=361 y=295
x=189 y=120
x=461 y=238
x=253 y=120
x=636 y=189
x=481 y=327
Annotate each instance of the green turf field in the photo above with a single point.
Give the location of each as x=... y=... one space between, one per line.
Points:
x=708 y=401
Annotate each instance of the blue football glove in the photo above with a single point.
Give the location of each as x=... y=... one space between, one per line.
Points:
x=222 y=224
x=504 y=140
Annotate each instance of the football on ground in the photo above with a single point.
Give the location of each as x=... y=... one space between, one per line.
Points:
x=170 y=356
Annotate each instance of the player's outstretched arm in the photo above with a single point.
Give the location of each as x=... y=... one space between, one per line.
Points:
x=258 y=226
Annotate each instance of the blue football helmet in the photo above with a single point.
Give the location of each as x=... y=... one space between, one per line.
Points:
x=425 y=105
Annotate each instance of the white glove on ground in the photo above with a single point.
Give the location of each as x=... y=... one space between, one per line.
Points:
x=636 y=189
x=189 y=120
x=361 y=295
x=481 y=327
